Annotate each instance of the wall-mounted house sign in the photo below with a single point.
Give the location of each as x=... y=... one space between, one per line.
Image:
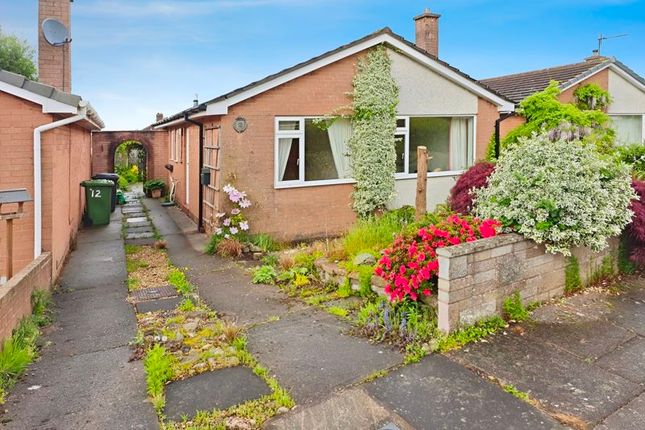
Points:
x=240 y=124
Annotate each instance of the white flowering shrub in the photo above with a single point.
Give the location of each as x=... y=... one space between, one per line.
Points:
x=559 y=193
x=372 y=144
x=233 y=223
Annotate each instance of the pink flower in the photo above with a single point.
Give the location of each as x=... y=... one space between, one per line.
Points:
x=233 y=230
x=244 y=203
x=227 y=222
x=244 y=225
x=235 y=211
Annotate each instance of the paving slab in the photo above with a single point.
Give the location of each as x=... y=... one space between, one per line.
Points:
x=153 y=293
x=629 y=312
x=560 y=381
x=311 y=356
x=137 y=214
x=628 y=360
x=139 y=229
x=132 y=209
x=351 y=409
x=588 y=339
x=100 y=265
x=440 y=394
x=141 y=241
x=207 y=391
x=629 y=417
x=139 y=235
x=158 y=305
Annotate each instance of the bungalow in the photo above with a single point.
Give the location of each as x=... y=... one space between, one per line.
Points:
x=263 y=138
x=626 y=87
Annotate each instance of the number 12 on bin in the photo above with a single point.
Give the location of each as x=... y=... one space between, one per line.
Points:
x=96 y=193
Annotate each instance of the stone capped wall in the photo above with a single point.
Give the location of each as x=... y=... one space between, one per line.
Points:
x=476 y=277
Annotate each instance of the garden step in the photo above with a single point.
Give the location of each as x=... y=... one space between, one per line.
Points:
x=147 y=241
x=139 y=234
x=136 y=214
x=220 y=389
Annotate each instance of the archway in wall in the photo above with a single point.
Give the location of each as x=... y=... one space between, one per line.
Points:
x=130 y=161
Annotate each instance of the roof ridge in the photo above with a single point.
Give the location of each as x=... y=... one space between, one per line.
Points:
x=528 y=72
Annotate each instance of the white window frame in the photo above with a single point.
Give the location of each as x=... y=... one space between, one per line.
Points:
x=633 y=114
x=406 y=148
x=300 y=135
x=171 y=152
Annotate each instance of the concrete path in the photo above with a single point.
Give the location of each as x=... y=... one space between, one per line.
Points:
x=583 y=358
x=83 y=379
x=310 y=354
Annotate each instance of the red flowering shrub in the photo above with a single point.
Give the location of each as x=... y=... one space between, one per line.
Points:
x=636 y=229
x=409 y=264
x=461 y=199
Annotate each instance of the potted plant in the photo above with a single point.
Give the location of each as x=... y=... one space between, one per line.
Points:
x=154 y=188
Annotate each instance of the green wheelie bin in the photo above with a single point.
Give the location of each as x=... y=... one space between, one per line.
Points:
x=98 y=201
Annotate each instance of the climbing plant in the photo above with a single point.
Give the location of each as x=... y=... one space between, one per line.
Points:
x=592 y=97
x=372 y=144
x=564 y=121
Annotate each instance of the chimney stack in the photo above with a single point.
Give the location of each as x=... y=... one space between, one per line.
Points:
x=54 y=62
x=159 y=117
x=427 y=32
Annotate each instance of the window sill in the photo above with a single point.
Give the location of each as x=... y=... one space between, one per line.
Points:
x=430 y=174
x=286 y=185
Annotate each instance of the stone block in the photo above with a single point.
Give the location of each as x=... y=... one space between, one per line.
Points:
x=482 y=255
x=483 y=265
x=501 y=250
x=453 y=268
x=510 y=269
x=472 y=315
x=487 y=276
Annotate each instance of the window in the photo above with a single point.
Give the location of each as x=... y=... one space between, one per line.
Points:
x=629 y=128
x=178 y=144
x=308 y=152
x=450 y=143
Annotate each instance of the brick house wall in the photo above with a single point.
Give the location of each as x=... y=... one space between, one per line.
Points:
x=247 y=159
x=189 y=154
x=65 y=163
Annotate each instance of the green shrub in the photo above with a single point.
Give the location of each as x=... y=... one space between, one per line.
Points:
x=264 y=275
x=14 y=359
x=123 y=183
x=154 y=184
x=514 y=309
x=186 y=305
x=158 y=365
x=211 y=246
x=470 y=334
x=345 y=289
x=338 y=311
x=634 y=156
x=559 y=193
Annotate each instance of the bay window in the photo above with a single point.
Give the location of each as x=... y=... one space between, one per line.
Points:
x=629 y=128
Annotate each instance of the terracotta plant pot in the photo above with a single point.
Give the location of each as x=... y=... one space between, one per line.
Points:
x=156 y=193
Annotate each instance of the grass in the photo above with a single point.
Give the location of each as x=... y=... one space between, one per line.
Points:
x=19 y=350
x=338 y=311
x=177 y=278
x=265 y=274
x=264 y=242
x=159 y=370
x=469 y=334
x=514 y=309
x=572 y=280
x=371 y=235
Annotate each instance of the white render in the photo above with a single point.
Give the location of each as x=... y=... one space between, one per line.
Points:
x=628 y=99
x=422 y=91
x=438 y=190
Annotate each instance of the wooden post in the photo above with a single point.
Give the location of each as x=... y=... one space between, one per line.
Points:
x=422 y=181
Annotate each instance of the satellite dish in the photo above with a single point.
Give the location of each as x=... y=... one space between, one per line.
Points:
x=55 y=32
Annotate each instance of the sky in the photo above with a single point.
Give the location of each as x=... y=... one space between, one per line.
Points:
x=134 y=58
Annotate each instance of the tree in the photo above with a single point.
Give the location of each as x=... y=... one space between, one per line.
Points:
x=17 y=56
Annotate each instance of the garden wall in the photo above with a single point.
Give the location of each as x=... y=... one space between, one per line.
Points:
x=476 y=277
x=15 y=295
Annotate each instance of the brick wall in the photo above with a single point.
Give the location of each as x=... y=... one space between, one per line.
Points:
x=487 y=114
x=65 y=163
x=476 y=277
x=54 y=62
x=189 y=155
x=15 y=295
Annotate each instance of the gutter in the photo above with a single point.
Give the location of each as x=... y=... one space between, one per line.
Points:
x=38 y=220
x=498 y=121
x=200 y=216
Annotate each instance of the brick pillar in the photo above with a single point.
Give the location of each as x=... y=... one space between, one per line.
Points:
x=54 y=62
x=427 y=32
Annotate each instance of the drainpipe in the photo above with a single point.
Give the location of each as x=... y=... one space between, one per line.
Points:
x=200 y=216
x=498 y=121
x=38 y=220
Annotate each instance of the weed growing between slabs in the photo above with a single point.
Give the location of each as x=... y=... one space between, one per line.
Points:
x=190 y=340
x=21 y=348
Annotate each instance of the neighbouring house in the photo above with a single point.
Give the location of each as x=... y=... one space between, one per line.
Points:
x=263 y=139
x=45 y=147
x=626 y=87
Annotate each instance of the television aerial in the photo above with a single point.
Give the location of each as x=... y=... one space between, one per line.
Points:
x=602 y=38
x=55 y=32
